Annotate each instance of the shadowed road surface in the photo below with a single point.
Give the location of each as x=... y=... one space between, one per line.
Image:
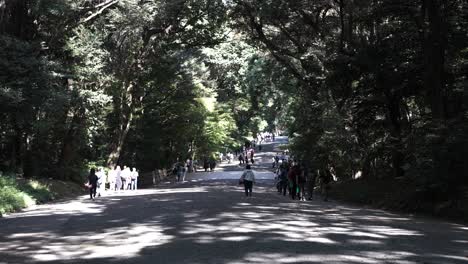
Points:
x=208 y=220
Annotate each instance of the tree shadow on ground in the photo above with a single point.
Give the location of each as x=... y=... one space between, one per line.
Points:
x=211 y=222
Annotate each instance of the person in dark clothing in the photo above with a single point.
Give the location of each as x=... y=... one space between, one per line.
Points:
x=301 y=182
x=325 y=180
x=92 y=182
x=283 y=180
x=206 y=164
x=293 y=179
x=311 y=176
x=212 y=164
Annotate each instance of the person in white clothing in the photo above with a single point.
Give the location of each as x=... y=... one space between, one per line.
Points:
x=101 y=175
x=118 y=178
x=127 y=176
x=134 y=179
x=248 y=179
x=111 y=178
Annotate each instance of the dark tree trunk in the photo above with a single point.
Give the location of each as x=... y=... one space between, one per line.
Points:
x=435 y=45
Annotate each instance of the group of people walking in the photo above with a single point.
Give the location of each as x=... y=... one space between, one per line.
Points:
x=246 y=156
x=116 y=177
x=299 y=181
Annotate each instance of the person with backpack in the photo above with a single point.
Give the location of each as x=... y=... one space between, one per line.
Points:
x=248 y=179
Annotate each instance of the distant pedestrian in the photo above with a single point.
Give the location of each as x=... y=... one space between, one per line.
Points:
x=101 y=175
x=206 y=164
x=293 y=179
x=212 y=164
x=180 y=170
x=248 y=179
x=118 y=178
x=111 y=177
x=311 y=178
x=325 y=180
x=134 y=179
x=282 y=180
x=92 y=183
x=241 y=159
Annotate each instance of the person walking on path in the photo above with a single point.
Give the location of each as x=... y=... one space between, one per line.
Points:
x=248 y=179
x=101 y=175
x=180 y=170
x=283 y=180
x=92 y=182
x=212 y=164
x=325 y=180
x=206 y=164
x=134 y=179
x=293 y=179
x=311 y=178
x=118 y=178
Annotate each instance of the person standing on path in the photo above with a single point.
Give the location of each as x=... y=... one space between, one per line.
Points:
x=248 y=179
x=92 y=181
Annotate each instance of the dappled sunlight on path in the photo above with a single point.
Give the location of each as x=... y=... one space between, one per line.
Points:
x=212 y=222
x=207 y=219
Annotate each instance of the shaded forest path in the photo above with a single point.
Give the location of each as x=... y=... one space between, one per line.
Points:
x=208 y=220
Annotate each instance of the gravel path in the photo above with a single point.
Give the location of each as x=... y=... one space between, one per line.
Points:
x=208 y=220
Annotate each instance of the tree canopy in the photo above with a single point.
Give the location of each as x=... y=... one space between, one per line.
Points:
x=373 y=88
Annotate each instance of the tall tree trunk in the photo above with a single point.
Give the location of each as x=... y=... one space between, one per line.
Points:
x=435 y=44
x=117 y=147
x=69 y=148
x=127 y=115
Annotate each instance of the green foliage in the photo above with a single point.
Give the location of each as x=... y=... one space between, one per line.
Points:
x=376 y=87
x=372 y=95
x=15 y=195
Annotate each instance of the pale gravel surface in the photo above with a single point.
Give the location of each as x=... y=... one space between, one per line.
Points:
x=207 y=220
